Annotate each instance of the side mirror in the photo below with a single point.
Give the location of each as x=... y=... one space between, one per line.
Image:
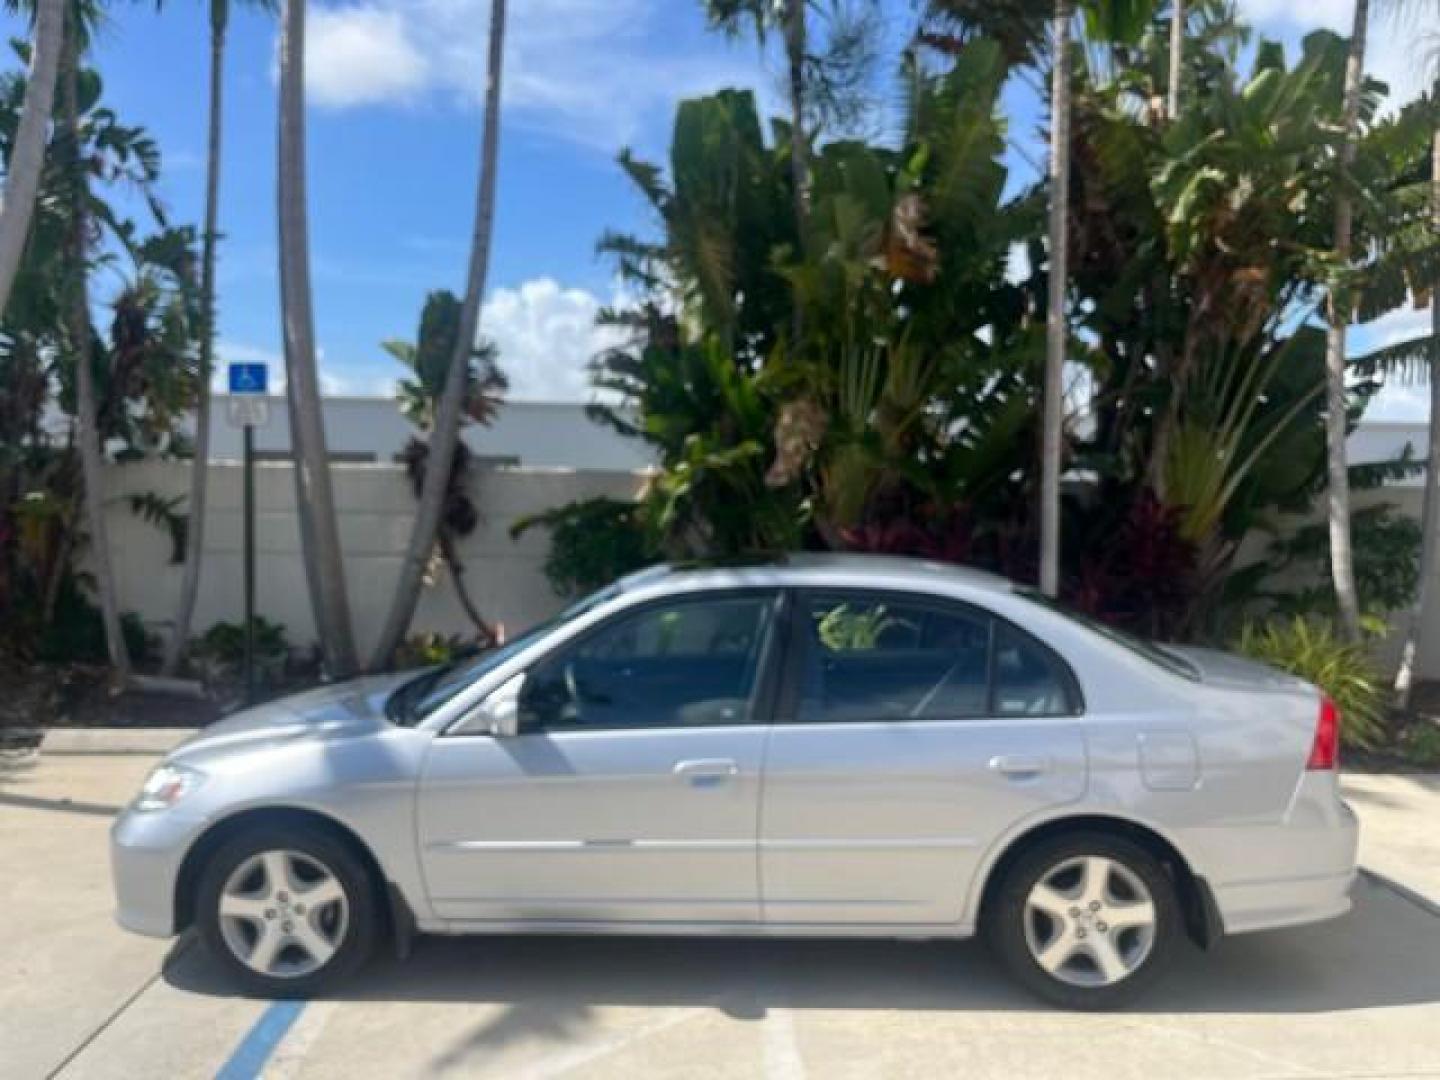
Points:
x=499 y=714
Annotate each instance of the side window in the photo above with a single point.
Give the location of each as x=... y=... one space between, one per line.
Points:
x=1028 y=679
x=869 y=658
x=690 y=663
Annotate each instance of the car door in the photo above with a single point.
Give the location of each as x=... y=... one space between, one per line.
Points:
x=911 y=733
x=630 y=792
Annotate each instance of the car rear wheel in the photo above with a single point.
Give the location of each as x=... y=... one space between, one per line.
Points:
x=1085 y=921
x=287 y=911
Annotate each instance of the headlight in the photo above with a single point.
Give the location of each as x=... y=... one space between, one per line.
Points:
x=166 y=786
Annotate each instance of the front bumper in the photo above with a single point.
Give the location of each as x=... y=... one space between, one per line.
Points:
x=146 y=853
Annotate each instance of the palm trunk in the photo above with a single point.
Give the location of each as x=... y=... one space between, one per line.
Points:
x=314 y=493
x=1177 y=59
x=483 y=630
x=1053 y=416
x=77 y=314
x=200 y=466
x=27 y=155
x=795 y=47
x=452 y=399
x=1422 y=654
x=1342 y=560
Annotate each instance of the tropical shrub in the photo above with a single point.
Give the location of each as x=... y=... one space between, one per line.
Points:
x=75 y=633
x=224 y=642
x=1387 y=563
x=592 y=542
x=1313 y=650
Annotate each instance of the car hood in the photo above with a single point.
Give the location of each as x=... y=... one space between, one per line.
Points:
x=328 y=713
x=1230 y=672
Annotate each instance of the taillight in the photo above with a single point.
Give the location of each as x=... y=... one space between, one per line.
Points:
x=1325 y=750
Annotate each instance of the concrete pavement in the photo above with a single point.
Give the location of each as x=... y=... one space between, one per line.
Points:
x=1401 y=834
x=80 y=999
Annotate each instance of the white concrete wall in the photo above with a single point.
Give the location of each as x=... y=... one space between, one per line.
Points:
x=550 y=434
x=375 y=507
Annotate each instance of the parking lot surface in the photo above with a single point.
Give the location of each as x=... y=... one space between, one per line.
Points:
x=1357 y=997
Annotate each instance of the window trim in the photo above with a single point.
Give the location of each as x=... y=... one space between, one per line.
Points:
x=797 y=642
x=767 y=664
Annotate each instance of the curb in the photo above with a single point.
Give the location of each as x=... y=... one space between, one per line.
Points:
x=108 y=741
x=1420 y=900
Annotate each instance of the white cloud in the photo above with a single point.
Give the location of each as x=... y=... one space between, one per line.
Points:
x=598 y=72
x=360 y=55
x=1397 y=401
x=547 y=336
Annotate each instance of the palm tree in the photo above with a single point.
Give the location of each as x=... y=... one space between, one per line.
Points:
x=1339 y=309
x=315 y=498
x=452 y=399
x=1056 y=328
x=199 y=468
x=22 y=175
x=789 y=16
x=429 y=359
x=1017 y=24
x=77 y=316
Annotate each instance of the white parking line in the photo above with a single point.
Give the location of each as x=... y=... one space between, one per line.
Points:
x=782 y=1058
x=290 y=1053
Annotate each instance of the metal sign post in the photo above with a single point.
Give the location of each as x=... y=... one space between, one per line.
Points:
x=248 y=408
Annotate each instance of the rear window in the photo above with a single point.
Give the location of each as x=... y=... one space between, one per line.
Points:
x=1137 y=645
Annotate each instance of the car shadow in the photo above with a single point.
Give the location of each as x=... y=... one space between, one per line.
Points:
x=1384 y=953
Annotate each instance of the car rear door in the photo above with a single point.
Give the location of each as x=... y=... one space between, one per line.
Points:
x=910 y=734
x=630 y=792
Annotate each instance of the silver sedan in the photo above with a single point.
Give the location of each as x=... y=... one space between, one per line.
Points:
x=821 y=746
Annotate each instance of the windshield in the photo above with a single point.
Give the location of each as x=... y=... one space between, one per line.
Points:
x=1138 y=645
x=422 y=695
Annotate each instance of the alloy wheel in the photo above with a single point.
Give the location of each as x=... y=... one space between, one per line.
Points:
x=283 y=913
x=1089 y=921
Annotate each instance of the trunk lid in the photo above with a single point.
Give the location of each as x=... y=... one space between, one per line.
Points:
x=1230 y=672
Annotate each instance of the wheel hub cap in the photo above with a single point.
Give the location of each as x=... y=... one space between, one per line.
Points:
x=1089 y=921
x=283 y=913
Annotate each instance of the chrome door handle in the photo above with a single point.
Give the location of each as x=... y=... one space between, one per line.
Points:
x=1019 y=765
x=706 y=772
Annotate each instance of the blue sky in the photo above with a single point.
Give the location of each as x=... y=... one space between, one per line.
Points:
x=394 y=130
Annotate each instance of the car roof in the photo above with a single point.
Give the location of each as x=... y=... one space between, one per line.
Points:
x=818 y=568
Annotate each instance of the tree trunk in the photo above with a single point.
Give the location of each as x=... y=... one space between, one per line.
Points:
x=77 y=314
x=1340 y=306
x=795 y=47
x=314 y=493
x=200 y=466
x=483 y=630
x=452 y=399
x=1053 y=416
x=1422 y=653
x=1177 y=59
x=27 y=155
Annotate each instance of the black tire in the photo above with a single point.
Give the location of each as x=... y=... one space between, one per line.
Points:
x=1003 y=921
x=331 y=852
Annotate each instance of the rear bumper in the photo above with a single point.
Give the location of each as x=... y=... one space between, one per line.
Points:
x=1300 y=871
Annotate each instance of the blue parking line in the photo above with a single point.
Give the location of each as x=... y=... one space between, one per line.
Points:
x=248 y=1060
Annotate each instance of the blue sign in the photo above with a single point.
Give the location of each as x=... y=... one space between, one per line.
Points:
x=249 y=378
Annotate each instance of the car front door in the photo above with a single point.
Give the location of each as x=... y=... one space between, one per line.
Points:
x=911 y=733
x=631 y=790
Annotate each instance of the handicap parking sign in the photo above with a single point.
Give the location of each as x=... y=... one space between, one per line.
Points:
x=248 y=378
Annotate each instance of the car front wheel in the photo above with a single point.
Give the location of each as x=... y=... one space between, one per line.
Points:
x=1085 y=921
x=287 y=911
